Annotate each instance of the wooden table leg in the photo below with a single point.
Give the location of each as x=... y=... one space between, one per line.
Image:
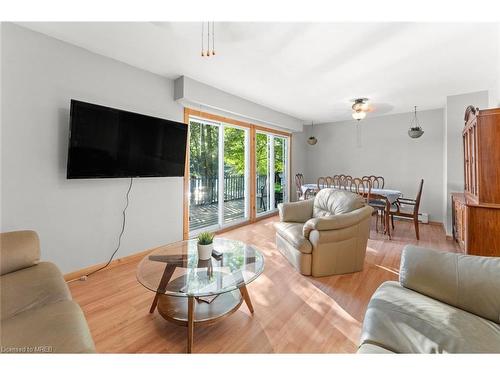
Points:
x=167 y=275
x=190 y=323
x=246 y=297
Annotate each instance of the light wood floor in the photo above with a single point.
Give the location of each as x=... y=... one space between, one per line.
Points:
x=293 y=313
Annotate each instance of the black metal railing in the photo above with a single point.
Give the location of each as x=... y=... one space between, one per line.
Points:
x=205 y=190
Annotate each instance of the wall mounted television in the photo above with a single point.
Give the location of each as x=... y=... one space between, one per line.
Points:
x=110 y=143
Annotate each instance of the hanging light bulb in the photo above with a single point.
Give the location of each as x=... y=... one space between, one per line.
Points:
x=358 y=115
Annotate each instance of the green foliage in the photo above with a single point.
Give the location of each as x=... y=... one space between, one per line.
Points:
x=206 y=238
x=204 y=153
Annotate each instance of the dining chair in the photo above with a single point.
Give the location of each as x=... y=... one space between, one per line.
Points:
x=405 y=207
x=299 y=181
x=361 y=187
x=324 y=182
x=335 y=181
x=377 y=182
x=328 y=181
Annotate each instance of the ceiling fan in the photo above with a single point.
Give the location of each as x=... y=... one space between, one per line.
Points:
x=362 y=106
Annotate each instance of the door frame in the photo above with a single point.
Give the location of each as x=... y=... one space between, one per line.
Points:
x=252 y=217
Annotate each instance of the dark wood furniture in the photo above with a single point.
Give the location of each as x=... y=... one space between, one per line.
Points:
x=476 y=211
x=400 y=209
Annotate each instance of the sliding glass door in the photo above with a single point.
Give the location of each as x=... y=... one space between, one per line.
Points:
x=219 y=170
x=271 y=174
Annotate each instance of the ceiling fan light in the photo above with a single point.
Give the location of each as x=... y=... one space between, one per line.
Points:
x=360 y=115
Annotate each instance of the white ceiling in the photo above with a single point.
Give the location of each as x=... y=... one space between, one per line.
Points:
x=307 y=70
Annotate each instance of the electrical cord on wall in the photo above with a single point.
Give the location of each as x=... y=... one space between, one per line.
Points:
x=124 y=220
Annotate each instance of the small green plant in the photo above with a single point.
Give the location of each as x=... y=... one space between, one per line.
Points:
x=205 y=238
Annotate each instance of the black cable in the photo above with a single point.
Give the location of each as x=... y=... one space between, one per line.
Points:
x=121 y=232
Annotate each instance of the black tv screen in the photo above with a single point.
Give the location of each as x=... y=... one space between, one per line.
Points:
x=110 y=143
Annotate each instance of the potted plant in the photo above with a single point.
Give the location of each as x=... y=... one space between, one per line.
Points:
x=205 y=245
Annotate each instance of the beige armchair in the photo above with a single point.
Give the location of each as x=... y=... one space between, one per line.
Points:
x=326 y=235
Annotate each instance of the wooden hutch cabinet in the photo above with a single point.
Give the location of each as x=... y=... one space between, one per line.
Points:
x=476 y=211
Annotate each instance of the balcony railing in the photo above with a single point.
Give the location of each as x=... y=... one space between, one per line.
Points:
x=205 y=190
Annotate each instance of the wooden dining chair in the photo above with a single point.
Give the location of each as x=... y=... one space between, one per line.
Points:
x=382 y=207
x=335 y=181
x=328 y=181
x=361 y=187
x=377 y=182
x=299 y=181
x=324 y=182
x=405 y=207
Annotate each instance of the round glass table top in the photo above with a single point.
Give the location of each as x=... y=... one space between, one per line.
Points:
x=176 y=270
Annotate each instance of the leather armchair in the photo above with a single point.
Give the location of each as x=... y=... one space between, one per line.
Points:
x=326 y=235
x=443 y=303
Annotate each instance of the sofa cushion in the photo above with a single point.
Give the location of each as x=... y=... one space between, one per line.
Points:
x=404 y=321
x=292 y=232
x=333 y=202
x=56 y=328
x=31 y=287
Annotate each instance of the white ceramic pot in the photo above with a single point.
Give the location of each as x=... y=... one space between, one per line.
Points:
x=205 y=251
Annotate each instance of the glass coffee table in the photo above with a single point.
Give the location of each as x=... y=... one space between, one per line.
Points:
x=193 y=292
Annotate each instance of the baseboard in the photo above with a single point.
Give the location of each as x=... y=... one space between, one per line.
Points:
x=76 y=275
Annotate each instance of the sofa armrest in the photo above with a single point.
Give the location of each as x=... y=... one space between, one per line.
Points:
x=18 y=250
x=471 y=283
x=297 y=212
x=337 y=221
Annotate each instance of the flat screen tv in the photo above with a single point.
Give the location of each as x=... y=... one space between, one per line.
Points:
x=110 y=143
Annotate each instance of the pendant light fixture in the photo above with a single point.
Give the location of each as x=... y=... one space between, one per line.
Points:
x=360 y=107
x=415 y=130
x=209 y=37
x=312 y=140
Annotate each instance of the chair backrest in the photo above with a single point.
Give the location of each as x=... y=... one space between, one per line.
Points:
x=377 y=182
x=321 y=182
x=335 y=181
x=345 y=182
x=328 y=181
x=361 y=187
x=299 y=181
x=333 y=202
x=419 y=195
x=381 y=182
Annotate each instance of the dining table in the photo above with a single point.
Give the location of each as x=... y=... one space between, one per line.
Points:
x=391 y=195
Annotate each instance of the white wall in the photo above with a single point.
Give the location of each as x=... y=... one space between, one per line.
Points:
x=78 y=220
x=454 y=158
x=299 y=161
x=196 y=95
x=386 y=150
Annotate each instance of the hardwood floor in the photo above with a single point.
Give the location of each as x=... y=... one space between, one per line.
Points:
x=293 y=313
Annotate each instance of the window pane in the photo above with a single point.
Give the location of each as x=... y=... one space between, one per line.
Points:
x=262 y=172
x=280 y=177
x=234 y=174
x=203 y=164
